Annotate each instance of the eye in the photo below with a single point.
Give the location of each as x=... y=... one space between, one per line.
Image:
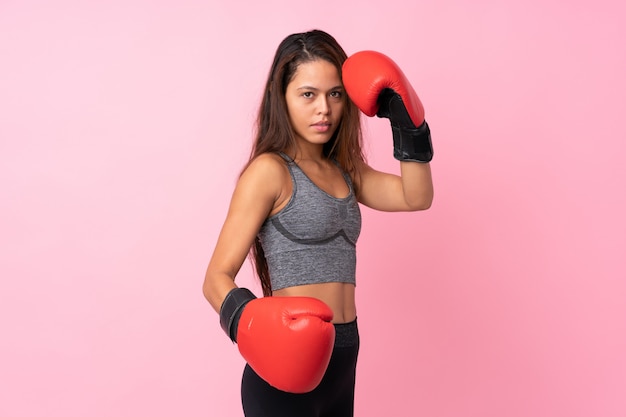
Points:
x=307 y=94
x=336 y=94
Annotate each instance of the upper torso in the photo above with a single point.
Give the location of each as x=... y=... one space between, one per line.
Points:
x=309 y=240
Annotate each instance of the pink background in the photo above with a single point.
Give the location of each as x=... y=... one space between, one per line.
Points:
x=123 y=125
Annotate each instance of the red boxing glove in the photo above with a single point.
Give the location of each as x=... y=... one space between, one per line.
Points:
x=288 y=341
x=378 y=87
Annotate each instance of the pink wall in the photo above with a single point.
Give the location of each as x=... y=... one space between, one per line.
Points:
x=123 y=126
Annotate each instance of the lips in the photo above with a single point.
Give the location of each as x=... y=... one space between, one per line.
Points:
x=322 y=126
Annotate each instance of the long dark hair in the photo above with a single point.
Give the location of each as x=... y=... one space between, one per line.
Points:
x=274 y=132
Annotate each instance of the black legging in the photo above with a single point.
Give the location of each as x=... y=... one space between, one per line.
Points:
x=333 y=397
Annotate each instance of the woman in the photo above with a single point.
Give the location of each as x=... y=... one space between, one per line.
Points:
x=295 y=208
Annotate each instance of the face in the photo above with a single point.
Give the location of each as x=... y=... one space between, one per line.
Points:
x=315 y=101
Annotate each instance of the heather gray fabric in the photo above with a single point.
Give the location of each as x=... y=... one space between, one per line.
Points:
x=313 y=238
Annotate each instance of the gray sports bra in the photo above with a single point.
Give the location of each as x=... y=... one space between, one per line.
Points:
x=313 y=238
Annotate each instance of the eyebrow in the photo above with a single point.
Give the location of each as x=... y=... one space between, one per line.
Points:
x=308 y=87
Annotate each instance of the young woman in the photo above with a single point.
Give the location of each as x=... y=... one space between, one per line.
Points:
x=295 y=209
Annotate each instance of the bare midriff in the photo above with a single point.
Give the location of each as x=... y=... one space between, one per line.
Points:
x=337 y=295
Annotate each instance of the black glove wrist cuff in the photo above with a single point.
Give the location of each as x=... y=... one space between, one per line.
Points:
x=412 y=144
x=231 y=310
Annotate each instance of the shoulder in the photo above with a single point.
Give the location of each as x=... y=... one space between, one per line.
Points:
x=266 y=166
x=267 y=175
x=268 y=160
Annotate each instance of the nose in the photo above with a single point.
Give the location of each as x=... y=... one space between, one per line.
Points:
x=323 y=105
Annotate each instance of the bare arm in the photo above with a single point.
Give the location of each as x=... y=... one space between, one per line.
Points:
x=412 y=191
x=378 y=87
x=255 y=195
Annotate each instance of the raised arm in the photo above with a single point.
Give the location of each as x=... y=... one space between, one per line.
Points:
x=411 y=191
x=378 y=87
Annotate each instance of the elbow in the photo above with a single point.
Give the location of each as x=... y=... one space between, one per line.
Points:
x=215 y=287
x=426 y=205
x=419 y=203
x=206 y=290
x=211 y=292
x=420 y=207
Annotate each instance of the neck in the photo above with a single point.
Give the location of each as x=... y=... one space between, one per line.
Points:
x=311 y=152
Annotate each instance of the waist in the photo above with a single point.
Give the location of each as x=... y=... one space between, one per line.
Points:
x=339 y=297
x=346 y=334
